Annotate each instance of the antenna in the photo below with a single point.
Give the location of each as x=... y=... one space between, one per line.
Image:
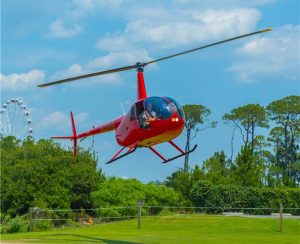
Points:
x=122 y=108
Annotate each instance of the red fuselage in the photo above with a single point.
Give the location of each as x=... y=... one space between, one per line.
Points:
x=150 y=121
x=166 y=125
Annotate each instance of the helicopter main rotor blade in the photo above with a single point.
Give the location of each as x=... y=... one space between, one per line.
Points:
x=88 y=75
x=141 y=65
x=206 y=46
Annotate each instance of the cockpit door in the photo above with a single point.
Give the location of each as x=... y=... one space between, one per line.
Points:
x=141 y=116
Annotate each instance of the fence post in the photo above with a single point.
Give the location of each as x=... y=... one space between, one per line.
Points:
x=281 y=210
x=33 y=213
x=139 y=205
x=30 y=220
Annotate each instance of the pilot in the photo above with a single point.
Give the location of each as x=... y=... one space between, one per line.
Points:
x=149 y=112
x=147 y=115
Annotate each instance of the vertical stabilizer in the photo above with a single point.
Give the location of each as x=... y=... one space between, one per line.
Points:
x=74 y=135
x=73 y=138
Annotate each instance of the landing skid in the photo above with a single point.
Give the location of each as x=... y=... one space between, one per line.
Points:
x=132 y=149
x=180 y=155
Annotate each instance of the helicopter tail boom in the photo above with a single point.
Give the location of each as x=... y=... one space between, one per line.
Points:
x=107 y=127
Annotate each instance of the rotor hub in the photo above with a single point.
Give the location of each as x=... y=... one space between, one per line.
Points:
x=140 y=67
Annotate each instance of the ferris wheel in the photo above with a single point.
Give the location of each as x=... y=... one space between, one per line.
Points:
x=15 y=119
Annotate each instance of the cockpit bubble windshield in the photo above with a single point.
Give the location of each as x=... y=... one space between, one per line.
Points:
x=157 y=107
x=178 y=109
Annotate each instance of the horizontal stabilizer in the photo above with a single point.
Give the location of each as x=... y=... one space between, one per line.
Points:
x=62 y=137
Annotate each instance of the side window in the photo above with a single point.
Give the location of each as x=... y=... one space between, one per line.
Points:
x=141 y=115
x=132 y=113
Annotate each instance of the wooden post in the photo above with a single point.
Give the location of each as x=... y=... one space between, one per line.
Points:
x=30 y=220
x=139 y=205
x=281 y=210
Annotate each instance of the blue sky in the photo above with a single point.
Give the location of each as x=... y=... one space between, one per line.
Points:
x=46 y=40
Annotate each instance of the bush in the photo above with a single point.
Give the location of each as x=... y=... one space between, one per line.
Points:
x=44 y=174
x=72 y=223
x=14 y=225
x=166 y=212
x=219 y=197
x=42 y=225
x=117 y=192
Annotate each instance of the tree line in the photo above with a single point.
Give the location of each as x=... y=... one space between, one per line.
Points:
x=271 y=160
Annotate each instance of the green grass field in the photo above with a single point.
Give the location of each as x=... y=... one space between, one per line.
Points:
x=172 y=229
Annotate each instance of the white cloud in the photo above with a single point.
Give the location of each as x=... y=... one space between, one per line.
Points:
x=58 y=30
x=23 y=81
x=81 y=117
x=79 y=9
x=114 y=43
x=180 y=27
x=59 y=121
x=73 y=70
x=174 y=27
x=56 y=120
x=119 y=58
x=110 y=61
x=275 y=54
x=83 y=7
x=227 y=3
x=76 y=70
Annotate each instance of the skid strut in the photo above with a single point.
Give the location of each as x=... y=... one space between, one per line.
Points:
x=116 y=157
x=182 y=153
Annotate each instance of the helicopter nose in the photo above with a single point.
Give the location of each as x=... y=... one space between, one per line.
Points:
x=176 y=123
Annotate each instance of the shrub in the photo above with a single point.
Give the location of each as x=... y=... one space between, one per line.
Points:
x=219 y=197
x=117 y=192
x=14 y=225
x=42 y=225
x=72 y=223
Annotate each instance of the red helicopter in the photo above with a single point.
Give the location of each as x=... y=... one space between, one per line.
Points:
x=150 y=121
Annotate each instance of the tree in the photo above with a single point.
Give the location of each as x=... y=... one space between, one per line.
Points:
x=195 y=115
x=285 y=137
x=45 y=175
x=182 y=181
x=217 y=169
x=117 y=192
x=264 y=158
x=247 y=170
x=247 y=118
